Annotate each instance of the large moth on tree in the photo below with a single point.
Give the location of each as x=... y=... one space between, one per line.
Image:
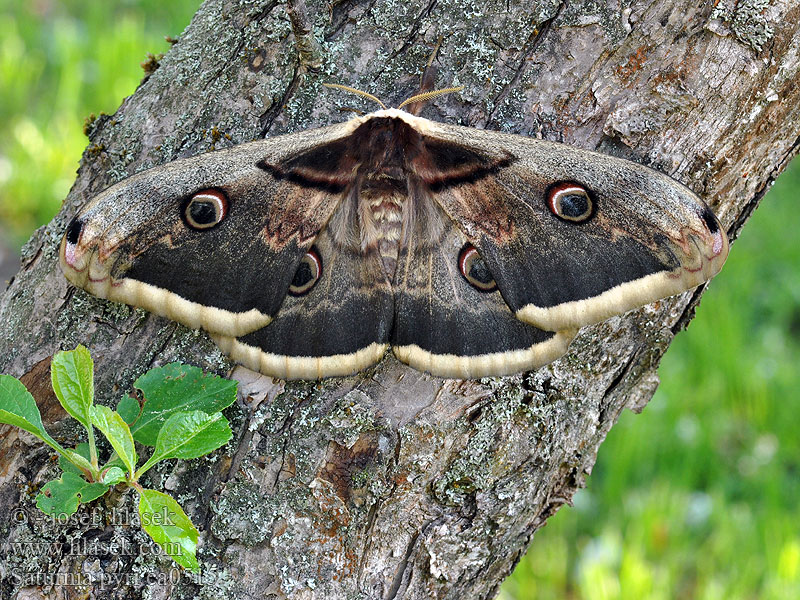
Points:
x=467 y=252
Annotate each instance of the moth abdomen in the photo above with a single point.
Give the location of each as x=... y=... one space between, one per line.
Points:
x=381 y=205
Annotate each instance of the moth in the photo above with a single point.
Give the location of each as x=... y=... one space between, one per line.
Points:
x=468 y=252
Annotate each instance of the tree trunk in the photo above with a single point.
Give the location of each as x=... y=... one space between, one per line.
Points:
x=390 y=483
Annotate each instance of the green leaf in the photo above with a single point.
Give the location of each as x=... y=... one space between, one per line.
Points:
x=129 y=409
x=164 y=520
x=189 y=435
x=113 y=476
x=176 y=388
x=61 y=497
x=18 y=408
x=115 y=461
x=78 y=462
x=72 y=374
x=116 y=430
x=69 y=461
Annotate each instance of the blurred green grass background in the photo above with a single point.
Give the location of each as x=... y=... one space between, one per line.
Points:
x=697 y=497
x=60 y=61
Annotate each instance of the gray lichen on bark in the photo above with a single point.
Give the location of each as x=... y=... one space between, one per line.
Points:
x=747 y=20
x=391 y=483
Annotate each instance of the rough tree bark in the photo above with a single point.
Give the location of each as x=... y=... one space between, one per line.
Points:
x=392 y=483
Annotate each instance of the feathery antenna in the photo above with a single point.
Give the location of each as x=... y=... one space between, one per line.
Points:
x=347 y=88
x=425 y=96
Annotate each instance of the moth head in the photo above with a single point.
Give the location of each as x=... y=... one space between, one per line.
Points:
x=570 y=202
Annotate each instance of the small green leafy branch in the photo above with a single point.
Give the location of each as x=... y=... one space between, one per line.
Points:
x=179 y=417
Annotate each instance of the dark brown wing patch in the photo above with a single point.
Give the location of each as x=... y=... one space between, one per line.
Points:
x=641 y=236
x=341 y=325
x=391 y=146
x=441 y=164
x=446 y=326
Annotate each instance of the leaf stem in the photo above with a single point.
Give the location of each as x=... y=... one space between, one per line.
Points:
x=93 y=450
